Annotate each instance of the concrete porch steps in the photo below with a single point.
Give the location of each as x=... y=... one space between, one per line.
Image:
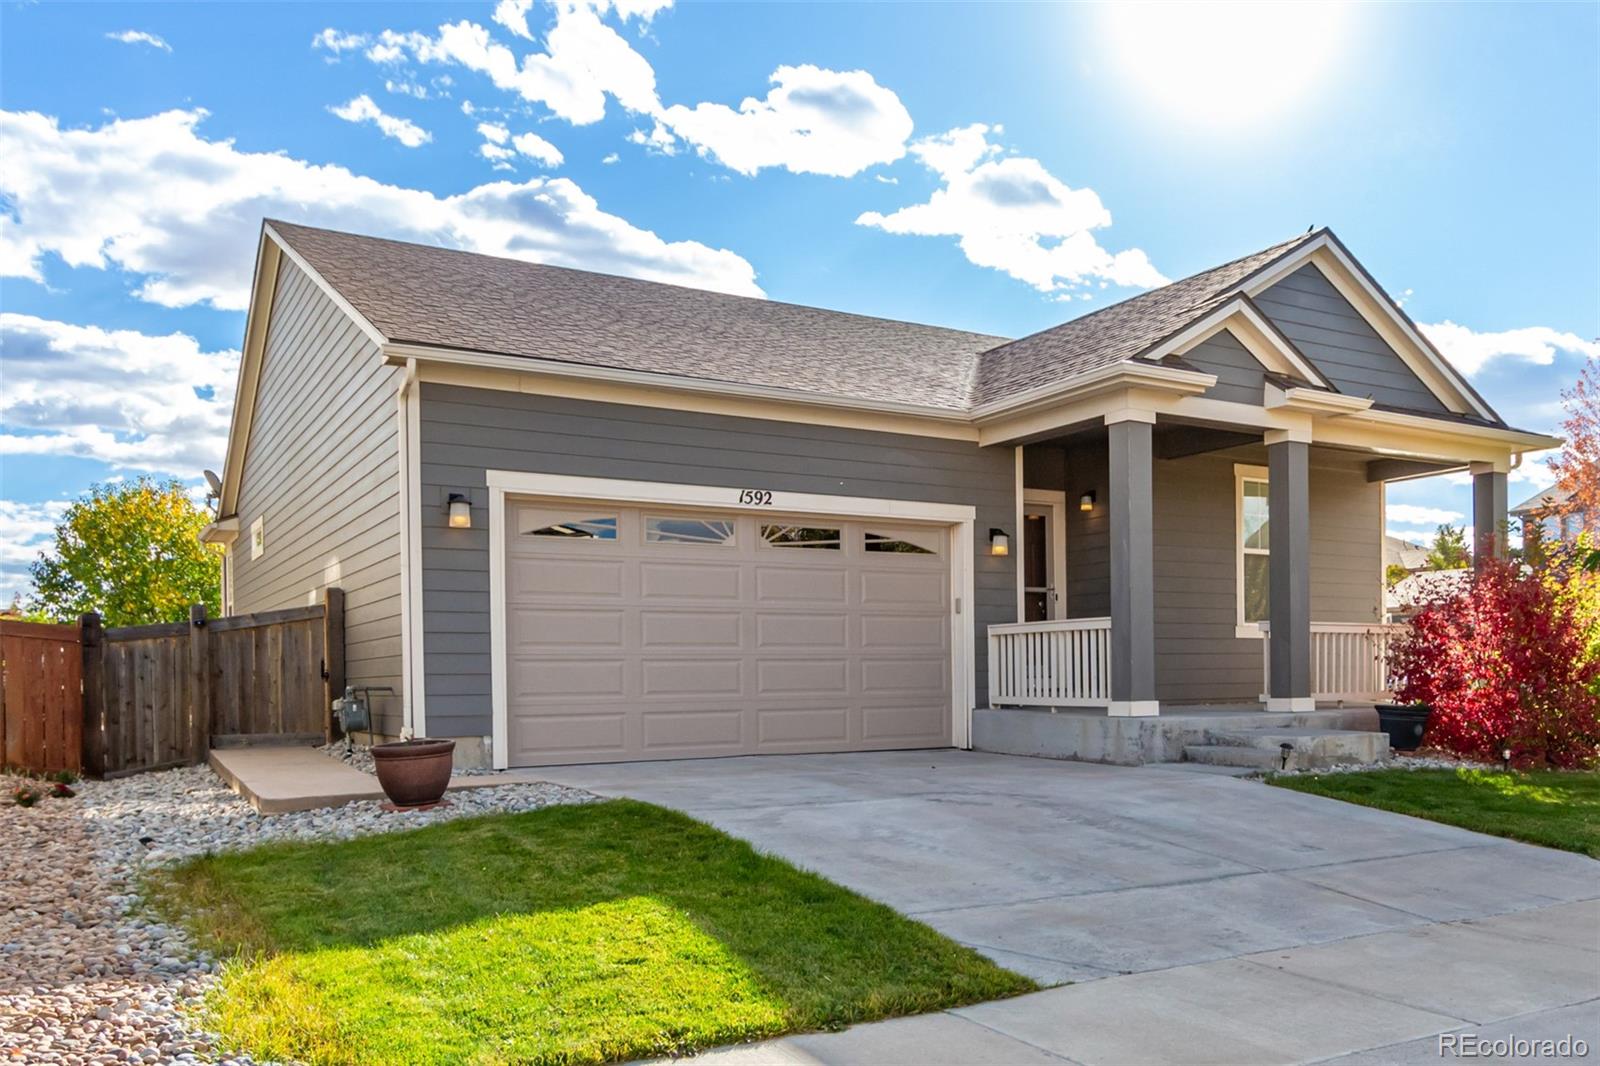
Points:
x=1308 y=748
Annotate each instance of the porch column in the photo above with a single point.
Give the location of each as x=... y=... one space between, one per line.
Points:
x=1133 y=600
x=1289 y=573
x=1488 y=511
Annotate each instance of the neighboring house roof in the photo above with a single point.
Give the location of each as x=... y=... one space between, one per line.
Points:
x=1426 y=587
x=1117 y=333
x=1403 y=553
x=1542 y=500
x=418 y=294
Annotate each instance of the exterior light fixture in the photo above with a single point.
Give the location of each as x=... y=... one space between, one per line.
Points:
x=1505 y=759
x=1284 y=751
x=460 y=511
x=1086 y=501
x=999 y=543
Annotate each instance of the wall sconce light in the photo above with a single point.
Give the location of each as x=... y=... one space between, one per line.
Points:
x=1505 y=759
x=999 y=543
x=1086 y=502
x=460 y=511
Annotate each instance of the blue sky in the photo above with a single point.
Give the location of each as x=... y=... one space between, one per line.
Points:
x=821 y=154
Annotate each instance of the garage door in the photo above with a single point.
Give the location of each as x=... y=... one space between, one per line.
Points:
x=645 y=633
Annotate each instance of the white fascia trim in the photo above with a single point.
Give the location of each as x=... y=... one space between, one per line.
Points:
x=616 y=490
x=372 y=332
x=263 y=287
x=1101 y=379
x=530 y=365
x=408 y=414
x=1326 y=243
x=1329 y=403
x=1514 y=438
x=959 y=517
x=223 y=531
x=1218 y=320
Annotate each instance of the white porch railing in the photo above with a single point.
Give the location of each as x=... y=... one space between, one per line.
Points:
x=1349 y=660
x=1065 y=663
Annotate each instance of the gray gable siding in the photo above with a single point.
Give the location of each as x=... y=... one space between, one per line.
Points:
x=1308 y=310
x=321 y=469
x=466 y=431
x=1240 y=377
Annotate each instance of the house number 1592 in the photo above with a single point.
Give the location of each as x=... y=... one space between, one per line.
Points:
x=756 y=497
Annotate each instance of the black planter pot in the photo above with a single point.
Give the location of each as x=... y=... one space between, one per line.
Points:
x=1405 y=723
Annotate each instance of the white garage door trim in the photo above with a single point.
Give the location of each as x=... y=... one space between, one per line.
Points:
x=958 y=517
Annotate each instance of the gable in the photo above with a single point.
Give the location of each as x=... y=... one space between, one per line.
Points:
x=1240 y=377
x=1313 y=314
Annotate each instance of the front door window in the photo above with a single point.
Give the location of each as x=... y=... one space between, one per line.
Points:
x=1037 y=591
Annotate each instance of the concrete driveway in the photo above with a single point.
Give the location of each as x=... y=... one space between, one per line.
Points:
x=1200 y=918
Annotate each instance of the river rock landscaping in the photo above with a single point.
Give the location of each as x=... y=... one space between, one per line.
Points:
x=87 y=975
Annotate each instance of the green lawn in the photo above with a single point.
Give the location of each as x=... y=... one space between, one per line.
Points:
x=574 y=934
x=1558 y=810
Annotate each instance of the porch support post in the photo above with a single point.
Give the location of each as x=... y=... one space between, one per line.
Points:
x=1133 y=601
x=1488 y=511
x=1289 y=572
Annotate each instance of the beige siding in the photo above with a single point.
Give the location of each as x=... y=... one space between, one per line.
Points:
x=321 y=470
x=1198 y=656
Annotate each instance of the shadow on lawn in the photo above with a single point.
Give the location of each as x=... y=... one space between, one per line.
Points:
x=573 y=934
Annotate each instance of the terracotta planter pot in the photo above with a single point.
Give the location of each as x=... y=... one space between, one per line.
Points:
x=414 y=773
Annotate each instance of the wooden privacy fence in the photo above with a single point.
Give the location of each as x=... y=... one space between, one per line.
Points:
x=41 y=696
x=162 y=695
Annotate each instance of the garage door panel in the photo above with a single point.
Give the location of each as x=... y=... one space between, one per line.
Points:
x=789 y=631
x=904 y=632
x=803 y=725
x=691 y=629
x=793 y=584
x=572 y=577
x=689 y=581
x=678 y=731
x=780 y=677
x=569 y=627
x=623 y=647
x=565 y=678
x=691 y=677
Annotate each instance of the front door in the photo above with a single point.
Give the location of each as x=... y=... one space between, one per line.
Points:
x=1038 y=591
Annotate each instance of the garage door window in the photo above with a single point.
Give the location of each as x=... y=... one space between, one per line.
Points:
x=688 y=530
x=904 y=542
x=571 y=526
x=787 y=536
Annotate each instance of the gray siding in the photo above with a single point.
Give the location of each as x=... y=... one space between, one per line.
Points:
x=1240 y=378
x=1198 y=656
x=1310 y=312
x=466 y=431
x=322 y=470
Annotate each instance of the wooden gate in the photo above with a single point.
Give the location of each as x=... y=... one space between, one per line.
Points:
x=41 y=696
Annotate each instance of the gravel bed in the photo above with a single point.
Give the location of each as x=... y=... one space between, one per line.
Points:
x=1393 y=762
x=87 y=974
x=359 y=756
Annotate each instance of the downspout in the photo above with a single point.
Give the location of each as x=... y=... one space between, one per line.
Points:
x=408 y=640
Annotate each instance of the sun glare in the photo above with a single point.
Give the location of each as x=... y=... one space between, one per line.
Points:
x=1226 y=64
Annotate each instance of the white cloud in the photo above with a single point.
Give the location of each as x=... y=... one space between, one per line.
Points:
x=1010 y=214
x=513 y=15
x=812 y=121
x=538 y=149
x=153 y=197
x=659 y=139
x=135 y=401
x=493 y=131
x=1420 y=537
x=1414 y=514
x=331 y=40
x=140 y=37
x=406 y=88
x=362 y=109
x=1469 y=350
x=26 y=530
x=610 y=158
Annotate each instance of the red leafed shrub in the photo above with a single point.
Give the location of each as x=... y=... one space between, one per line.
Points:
x=1507 y=663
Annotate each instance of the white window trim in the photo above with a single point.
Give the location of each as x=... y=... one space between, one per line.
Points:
x=1243 y=472
x=959 y=518
x=1055 y=552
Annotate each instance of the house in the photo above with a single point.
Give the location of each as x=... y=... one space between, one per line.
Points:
x=1559 y=521
x=586 y=518
x=1397 y=551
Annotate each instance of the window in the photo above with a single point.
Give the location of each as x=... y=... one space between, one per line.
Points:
x=579 y=525
x=1254 y=546
x=787 y=536
x=688 y=530
x=906 y=542
x=258 y=538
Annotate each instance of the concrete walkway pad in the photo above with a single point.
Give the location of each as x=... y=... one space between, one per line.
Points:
x=278 y=780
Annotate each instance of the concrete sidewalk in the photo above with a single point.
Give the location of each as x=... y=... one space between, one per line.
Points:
x=1378 y=999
